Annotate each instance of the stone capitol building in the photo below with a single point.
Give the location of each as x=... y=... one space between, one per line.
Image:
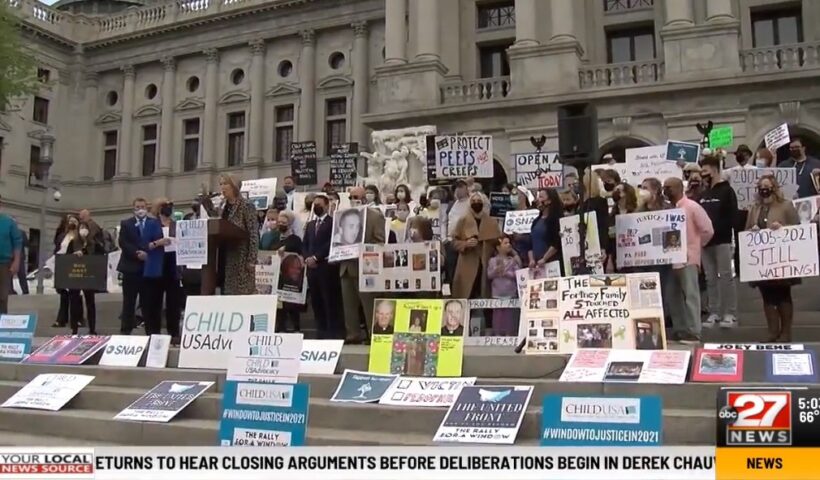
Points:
x=155 y=98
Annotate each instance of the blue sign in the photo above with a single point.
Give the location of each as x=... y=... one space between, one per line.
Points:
x=16 y=334
x=600 y=421
x=792 y=366
x=264 y=414
x=362 y=387
x=682 y=151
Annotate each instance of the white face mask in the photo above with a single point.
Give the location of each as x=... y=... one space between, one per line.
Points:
x=435 y=203
x=370 y=197
x=83 y=232
x=644 y=194
x=400 y=195
x=761 y=162
x=140 y=212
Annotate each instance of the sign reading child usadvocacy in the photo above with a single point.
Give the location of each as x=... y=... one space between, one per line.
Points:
x=788 y=252
x=459 y=156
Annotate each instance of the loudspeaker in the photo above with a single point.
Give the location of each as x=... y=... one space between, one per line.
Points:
x=578 y=133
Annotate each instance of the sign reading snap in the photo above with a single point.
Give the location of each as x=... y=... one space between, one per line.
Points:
x=124 y=351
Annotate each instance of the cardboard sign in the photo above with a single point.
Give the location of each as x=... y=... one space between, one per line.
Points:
x=344 y=158
x=265 y=357
x=601 y=421
x=744 y=182
x=124 y=350
x=163 y=402
x=460 y=156
x=362 y=387
x=264 y=415
x=292 y=286
x=721 y=137
x=320 y=357
x=807 y=208
x=485 y=414
x=67 y=350
x=754 y=346
x=192 y=243
x=424 y=392
x=651 y=238
x=500 y=204
x=634 y=366
x=268 y=269
x=212 y=323
x=649 y=162
x=158 y=348
x=777 y=137
x=593 y=259
x=16 y=335
x=349 y=225
x=788 y=252
x=520 y=221
x=400 y=267
x=539 y=170
x=303 y=163
x=48 y=391
x=89 y=272
x=260 y=193
x=755 y=365
x=682 y=151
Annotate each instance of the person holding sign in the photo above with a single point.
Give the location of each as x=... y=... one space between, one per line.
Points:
x=772 y=211
x=167 y=283
x=71 y=242
x=805 y=166
x=626 y=202
x=238 y=262
x=474 y=238
x=291 y=269
x=322 y=277
x=545 y=235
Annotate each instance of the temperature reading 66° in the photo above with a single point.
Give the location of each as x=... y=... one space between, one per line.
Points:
x=808 y=416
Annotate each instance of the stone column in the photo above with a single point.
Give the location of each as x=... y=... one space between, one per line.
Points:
x=395 y=26
x=361 y=82
x=166 y=135
x=257 y=115
x=428 y=41
x=307 y=98
x=91 y=81
x=679 y=13
x=719 y=11
x=127 y=162
x=563 y=21
x=526 y=23
x=208 y=128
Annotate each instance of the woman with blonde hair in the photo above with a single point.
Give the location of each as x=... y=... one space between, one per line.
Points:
x=594 y=201
x=771 y=210
x=237 y=263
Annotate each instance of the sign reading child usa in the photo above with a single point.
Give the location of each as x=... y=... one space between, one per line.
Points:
x=459 y=156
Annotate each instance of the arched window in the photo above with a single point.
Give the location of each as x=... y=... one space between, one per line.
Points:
x=499 y=179
x=617 y=147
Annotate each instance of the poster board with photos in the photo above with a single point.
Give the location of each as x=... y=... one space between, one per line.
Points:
x=807 y=208
x=774 y=367
x=651 y=238
x=420 y=338
x=622 y=311
x=292 y=286
x=638 y=366
x=400 y=267
x=260 y=192
x=571 y=245
x=788 y=252
x=349 y=227
x=68 y=350
x=267 y=272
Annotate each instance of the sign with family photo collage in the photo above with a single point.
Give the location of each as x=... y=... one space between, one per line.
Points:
x=651 y=238
x=418 y=338
x=594 y=311
x=348 y=233
x=755 y=363
x=639 y=366
x=400 y=267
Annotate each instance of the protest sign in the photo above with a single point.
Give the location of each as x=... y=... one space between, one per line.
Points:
x=485 y=414
x=601 y=421
x=755 y=346
x=348 y=233
x=192 y=243
x=344 y=158
x=320 y=357
x=807 y=208
x=479 y=334
x=303 y=163
x=651 y=238
x=263 y=357
x=88 y=272
x=788 y=252
x=292 y=286
x=400 y=267
x=48 y=391
x=163 y=402
x=158 y=348
x=682 y=151
x=260 y=193
x=268 y=270
x=421 y=338
x=744 y=182
x=212 y=323
x=501 y=203
x=649 y=162
x=756 y=365
x=520 y=221
x=777 y=137
x=539 y=170
x=264 y=415
x=124 y=351
x=721 y=137
x=459 y=156
x=16 y=335
x=67 y=350
x=638 y=366
x=593 y=259
x=362 y=387
x=523 y=275
x=424 y=392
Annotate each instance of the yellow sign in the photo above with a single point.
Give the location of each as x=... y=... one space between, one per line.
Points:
x=767 y=464
x=420 y=338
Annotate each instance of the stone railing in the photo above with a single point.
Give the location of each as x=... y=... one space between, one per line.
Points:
x=781 y=57
x=479 y=90
x=620 y=6
x=621 y=74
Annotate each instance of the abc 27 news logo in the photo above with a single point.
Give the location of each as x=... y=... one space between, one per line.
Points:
x=768 y=417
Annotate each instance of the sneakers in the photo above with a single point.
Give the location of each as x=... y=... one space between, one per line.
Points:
x=711 y=321
x=729 y=321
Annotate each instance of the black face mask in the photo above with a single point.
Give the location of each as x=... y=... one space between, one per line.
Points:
x=609 y=187
x=668 y=194
x=707 y=180
x=764 y=192
x=287 y=188
x=318 y=210
x=166 y=210
x=616 y=196
x=283 y=228
x=477 y=207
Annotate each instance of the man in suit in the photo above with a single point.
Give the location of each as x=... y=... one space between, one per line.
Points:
x=138 y=236
x=352 y=298
x=322 y=277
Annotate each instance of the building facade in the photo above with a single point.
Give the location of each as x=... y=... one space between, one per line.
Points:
x=156 y=99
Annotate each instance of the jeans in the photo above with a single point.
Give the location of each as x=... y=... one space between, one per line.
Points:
x=720 y=282
x=684 y=299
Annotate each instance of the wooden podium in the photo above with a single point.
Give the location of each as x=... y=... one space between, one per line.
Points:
x=221 y=234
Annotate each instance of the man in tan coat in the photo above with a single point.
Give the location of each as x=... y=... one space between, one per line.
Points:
x=352 y=298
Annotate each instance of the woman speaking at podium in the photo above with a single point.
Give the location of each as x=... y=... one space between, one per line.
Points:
x=237 y=260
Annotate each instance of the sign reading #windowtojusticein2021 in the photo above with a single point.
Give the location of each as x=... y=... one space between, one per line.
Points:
x=575 y=421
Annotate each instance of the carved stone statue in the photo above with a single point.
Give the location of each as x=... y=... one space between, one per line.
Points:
x=398 y=157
